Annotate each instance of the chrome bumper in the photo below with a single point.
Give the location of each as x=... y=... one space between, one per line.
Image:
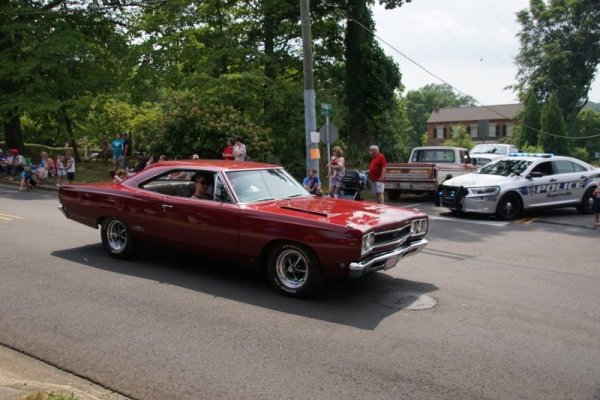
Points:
x=62 y=210
x=358 y=269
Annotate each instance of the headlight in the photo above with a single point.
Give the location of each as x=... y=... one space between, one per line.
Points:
x=367 y=242
x=418 y=227
x=484 y=191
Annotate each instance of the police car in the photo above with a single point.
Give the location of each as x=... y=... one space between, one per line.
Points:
x=522 y=181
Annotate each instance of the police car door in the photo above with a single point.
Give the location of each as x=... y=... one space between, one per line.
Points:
x=542 y=186
x=572 y=178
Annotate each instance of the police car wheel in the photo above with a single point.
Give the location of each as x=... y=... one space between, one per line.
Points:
x=509 y=207
x=587 y=202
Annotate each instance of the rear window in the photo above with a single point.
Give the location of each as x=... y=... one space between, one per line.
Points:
x=436 y=156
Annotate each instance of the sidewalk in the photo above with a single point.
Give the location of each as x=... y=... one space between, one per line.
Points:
x=21 y=375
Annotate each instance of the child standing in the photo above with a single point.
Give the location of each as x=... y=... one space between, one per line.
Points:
x=61 y=171
x=70 y=167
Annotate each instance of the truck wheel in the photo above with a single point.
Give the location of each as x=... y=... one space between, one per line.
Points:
x=509 y=207
x=117 y=238
x=393 y=195
x=294 y=270
x=587 y=202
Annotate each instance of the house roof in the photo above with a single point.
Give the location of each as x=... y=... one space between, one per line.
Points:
x=464 y=114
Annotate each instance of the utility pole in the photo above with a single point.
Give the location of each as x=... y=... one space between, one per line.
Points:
x=310 y=119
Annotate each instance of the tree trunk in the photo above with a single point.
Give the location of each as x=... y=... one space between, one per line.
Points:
x=69 y=126
x=12 y=133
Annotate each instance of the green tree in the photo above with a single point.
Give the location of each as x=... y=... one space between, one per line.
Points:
x=587 y=125
x=371 y=78
x=459 y=138
x=529 y=121
x=422 y=102
x=560 y=51
x=553 y=137
x=55 y=57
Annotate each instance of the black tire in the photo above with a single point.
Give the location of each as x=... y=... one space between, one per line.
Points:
x=509 y=207
x=586 y=206
x=394 y=195
x=294 y=270
x=117 y=238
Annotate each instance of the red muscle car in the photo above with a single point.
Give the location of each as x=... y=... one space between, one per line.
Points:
x=248 y=213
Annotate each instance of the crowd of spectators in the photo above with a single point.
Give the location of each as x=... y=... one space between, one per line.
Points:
x=16 y=167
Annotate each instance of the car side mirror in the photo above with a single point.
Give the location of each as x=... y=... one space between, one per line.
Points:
x=535 y=175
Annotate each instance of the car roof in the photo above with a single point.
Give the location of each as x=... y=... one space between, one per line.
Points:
x=542 y=157
x=222 y=165
x=437 y=148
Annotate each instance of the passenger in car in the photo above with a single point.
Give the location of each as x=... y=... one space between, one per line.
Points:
x=202 y=182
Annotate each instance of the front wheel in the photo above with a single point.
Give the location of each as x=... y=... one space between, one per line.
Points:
x=509 y=207
x=117 y=238
x=294 y=270
x=586 y=206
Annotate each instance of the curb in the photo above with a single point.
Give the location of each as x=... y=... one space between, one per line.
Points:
x=22 y=375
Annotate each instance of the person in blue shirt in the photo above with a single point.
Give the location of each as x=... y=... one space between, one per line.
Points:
x=312 y=183
x=27 y=179
x=117 y=144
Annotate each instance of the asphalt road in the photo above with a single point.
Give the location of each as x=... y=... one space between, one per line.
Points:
x=516 y=315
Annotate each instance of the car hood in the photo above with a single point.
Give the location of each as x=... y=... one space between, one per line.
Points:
x=478 y=180
x=360 y=215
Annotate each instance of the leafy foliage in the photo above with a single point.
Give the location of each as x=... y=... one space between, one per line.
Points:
x=530 y=122
x=553 y=139
x=422 y=102
x=459 y=138
x=560 y=51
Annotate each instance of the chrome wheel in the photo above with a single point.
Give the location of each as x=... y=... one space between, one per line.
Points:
x=292 y=268
x=117 y=238
x=116 y=235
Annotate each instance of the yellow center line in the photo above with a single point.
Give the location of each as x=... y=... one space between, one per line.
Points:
x=8 y=217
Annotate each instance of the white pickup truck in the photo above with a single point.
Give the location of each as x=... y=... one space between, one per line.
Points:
x=427 y=167
x=485 y=153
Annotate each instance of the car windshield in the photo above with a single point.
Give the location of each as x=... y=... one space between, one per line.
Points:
x=508 y=167
x=489 y=149
x=264 y=184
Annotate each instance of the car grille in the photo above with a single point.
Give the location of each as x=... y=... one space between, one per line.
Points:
x=392 y=237
x=450 y=195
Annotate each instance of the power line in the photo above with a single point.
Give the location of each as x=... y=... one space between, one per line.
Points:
x=349 y=18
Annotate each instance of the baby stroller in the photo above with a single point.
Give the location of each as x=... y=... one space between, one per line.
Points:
x=353 y=184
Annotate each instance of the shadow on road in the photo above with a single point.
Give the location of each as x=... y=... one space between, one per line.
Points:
x=350 y=302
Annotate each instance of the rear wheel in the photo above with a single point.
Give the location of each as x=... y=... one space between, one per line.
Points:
x=586 y=206
x=294 y=270
x=117 y=238
x=394 y=195
x=509 y=207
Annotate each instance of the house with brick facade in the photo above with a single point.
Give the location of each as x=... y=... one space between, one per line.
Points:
x=485 y=124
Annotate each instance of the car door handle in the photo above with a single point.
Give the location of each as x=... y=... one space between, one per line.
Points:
x=166 y=206
x=552 y=180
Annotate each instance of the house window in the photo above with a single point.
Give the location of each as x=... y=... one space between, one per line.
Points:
x=439 y=132
x=492 y=130
x=509 y=129
x=473 y=130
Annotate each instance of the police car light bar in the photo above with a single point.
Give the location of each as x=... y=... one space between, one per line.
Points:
x=544 y=155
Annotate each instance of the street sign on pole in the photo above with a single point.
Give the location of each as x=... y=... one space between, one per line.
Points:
x=326 y=109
